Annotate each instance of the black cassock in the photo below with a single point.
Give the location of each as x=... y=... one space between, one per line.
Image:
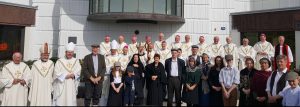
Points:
x=155 y=87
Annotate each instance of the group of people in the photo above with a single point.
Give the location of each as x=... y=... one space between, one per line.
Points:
x=145 y=73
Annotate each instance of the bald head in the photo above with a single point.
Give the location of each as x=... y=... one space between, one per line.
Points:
x=133 y=39
x=281 y=40
x=107 y=38
x=228 y=39
x=17 y=57
x=161 y=36
x=121 y=38
x=187 y=38
x=177 y=38
x=148 y=39
x=216 y=39
x=201 y=39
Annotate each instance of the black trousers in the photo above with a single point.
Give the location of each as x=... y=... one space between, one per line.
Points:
x=92 y=92
x=174 y=85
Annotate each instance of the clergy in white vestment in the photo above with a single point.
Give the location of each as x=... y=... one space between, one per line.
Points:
x=109 y=61
x=202 y=46
x=142 y=53
x=150 y=54
x=164 y=52
x=105 y=46
x=122 y=43
x=245 y=51
x=186 y=46
x=148 y=40
x=66 y=77
x=157 y=44
x=41 y=79
x=124 y=58
x=15 y=77
x=215 y=49
x=264 y=49
x=177 y=44
x=132 y=47
x=231 y=49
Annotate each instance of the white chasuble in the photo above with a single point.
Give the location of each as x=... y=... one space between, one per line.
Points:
x=41 y=83
x=15 y=95
x=65 y=90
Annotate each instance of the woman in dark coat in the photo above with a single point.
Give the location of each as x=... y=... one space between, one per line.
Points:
x=204 y=84
x=190 y=83
x=139 y=80
x=115 y=97
x=216 y=98
x=260 y=79
x=156 y=81
x=246 y=76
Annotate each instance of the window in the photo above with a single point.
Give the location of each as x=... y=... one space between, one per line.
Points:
x=10 y=41
x=116 y=5
x=160 y=6
x=146 y=6
x=168 y=7
x=131 y=5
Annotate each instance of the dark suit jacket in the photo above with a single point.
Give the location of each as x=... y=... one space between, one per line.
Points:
x=88 y=67
x=181 y=67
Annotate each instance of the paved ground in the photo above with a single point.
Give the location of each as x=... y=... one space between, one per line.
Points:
x=80 y=102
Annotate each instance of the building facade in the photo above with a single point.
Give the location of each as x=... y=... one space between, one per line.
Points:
x=60 y=21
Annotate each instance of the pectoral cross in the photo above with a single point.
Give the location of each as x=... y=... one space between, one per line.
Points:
x=69 y=65
x=44 y=69
x=18 y=74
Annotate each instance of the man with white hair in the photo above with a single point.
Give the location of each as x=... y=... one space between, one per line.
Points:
x=15 y=77
x=164 y=52
x=202 y=46
x=67 y=72
x=41 y=83
x=177 y=44
x=264 y=49
x=142 y=53
x=124 y=58
x=157 y=44
x=186 y=46
x=109 y=61
x=215 y=49
x=132 y=47
x=105 y=46
x=150 y=54
x=245 y=51
x=122 y=43
x=283 y=49
x=231 y=49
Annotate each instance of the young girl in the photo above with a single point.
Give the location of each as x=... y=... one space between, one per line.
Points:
x=116 y=86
